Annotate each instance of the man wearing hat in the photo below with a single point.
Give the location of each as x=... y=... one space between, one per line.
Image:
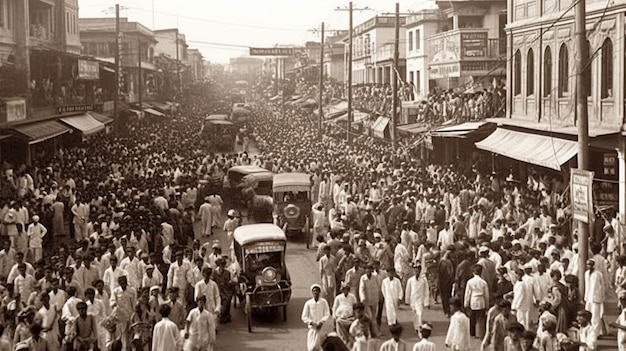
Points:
x=231 y=223
x=36 y=233
x=314 y=314
x=206 y=217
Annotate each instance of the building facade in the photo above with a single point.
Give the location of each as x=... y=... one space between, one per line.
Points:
x=334 y=65
x=137 y=53
x=470 y=48
x=372 y=52
x=196 y=64
x=541 y=76
x=419 y=27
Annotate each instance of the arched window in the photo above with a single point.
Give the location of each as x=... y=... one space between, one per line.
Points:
x=547 y=72
x=607 y=69
x=530 y=72
x=563 y=71
x=517 y=74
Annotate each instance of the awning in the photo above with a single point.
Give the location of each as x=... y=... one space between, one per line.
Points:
x=461 y=130
x=83 y=123
x=41 y=131
x=136 y=112
x=357 y=117
x=379 y=126
x=153 y=112
x=161 y=106
x=539 y=150
x=100 y=117
x=414 y=128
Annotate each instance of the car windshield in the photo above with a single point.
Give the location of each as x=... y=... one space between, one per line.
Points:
x=295 y=196
x=255 y=263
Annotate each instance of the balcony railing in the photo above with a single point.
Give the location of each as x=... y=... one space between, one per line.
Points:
x=465 y=44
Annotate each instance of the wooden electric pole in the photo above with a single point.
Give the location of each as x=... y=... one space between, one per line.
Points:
x=583 y=129
x=321 y=92
x=396 y=57
x=116 y=116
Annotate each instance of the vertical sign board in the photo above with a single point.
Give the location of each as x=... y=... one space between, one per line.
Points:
x=581 y=186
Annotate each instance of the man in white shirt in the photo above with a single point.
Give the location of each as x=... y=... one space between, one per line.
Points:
x=594 y=296
x=477 y=300
x=314 y=314
x=417 y=295
x=392 y=292
x=166 y=336
x=200 y=330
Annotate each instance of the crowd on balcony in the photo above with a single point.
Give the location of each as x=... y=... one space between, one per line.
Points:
x=439 y=106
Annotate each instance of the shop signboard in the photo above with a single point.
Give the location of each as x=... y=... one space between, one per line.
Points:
x=13 y=109
x=474 y=45
x=581 y=185
x=89 y=70
x=272 y=51
x=75 y=108
x=445 y=70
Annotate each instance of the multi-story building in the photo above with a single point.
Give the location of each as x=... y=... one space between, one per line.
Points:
x=246 y=68
x=97 y=36
x=334 y=64
x=470 y=47
x=419 y=27
x=541 y=94
x=196 y=64
x=172 y=43
x=372 y=52
x=44 y=77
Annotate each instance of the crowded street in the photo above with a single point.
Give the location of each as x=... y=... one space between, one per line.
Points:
x=194 y=176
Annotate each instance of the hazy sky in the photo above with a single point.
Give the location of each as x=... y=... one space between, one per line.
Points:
x=225 y=28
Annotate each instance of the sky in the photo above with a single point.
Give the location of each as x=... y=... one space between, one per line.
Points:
x=226 y=28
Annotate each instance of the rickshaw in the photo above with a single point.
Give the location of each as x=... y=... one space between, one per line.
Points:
x=219 y=132
x=292 y=202
x=260 y=251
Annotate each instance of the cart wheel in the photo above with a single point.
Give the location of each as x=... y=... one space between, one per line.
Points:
x=307 y=233
x=284 y=313
x=248 y=310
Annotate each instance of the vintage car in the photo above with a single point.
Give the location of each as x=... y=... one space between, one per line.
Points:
x=240 y=186
x=260 y=251
x=292 y=202
x=219 y=133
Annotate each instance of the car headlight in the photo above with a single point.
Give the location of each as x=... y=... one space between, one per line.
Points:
x=269 y=275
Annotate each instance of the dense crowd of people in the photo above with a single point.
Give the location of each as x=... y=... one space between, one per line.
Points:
x=499 y=254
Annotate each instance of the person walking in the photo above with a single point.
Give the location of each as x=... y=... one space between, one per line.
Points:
x=392 y=293
x=477 y=300
x=594 y=296
x=36 y=233
x=327 y=269
x=395 y=343
x=458 y=335
x=314 y=314
x=206 y=217
x=166 y=336
x=417 y=296
x=200 y=328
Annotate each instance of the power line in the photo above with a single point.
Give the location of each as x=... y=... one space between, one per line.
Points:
x=221 y=22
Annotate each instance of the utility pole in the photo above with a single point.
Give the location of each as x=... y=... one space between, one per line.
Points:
x=139 y=73
x=583 y=129
x=117 y=70
x=178 y=60
x=350 y=117
x=396 y=56
x=321 y=102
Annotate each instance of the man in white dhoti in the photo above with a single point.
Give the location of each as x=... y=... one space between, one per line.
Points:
x=216 y=208
x=166 y=336
x=206 y=217
x=392 y=293
x=594 y=296
x=417 y=296
x=314 y=314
